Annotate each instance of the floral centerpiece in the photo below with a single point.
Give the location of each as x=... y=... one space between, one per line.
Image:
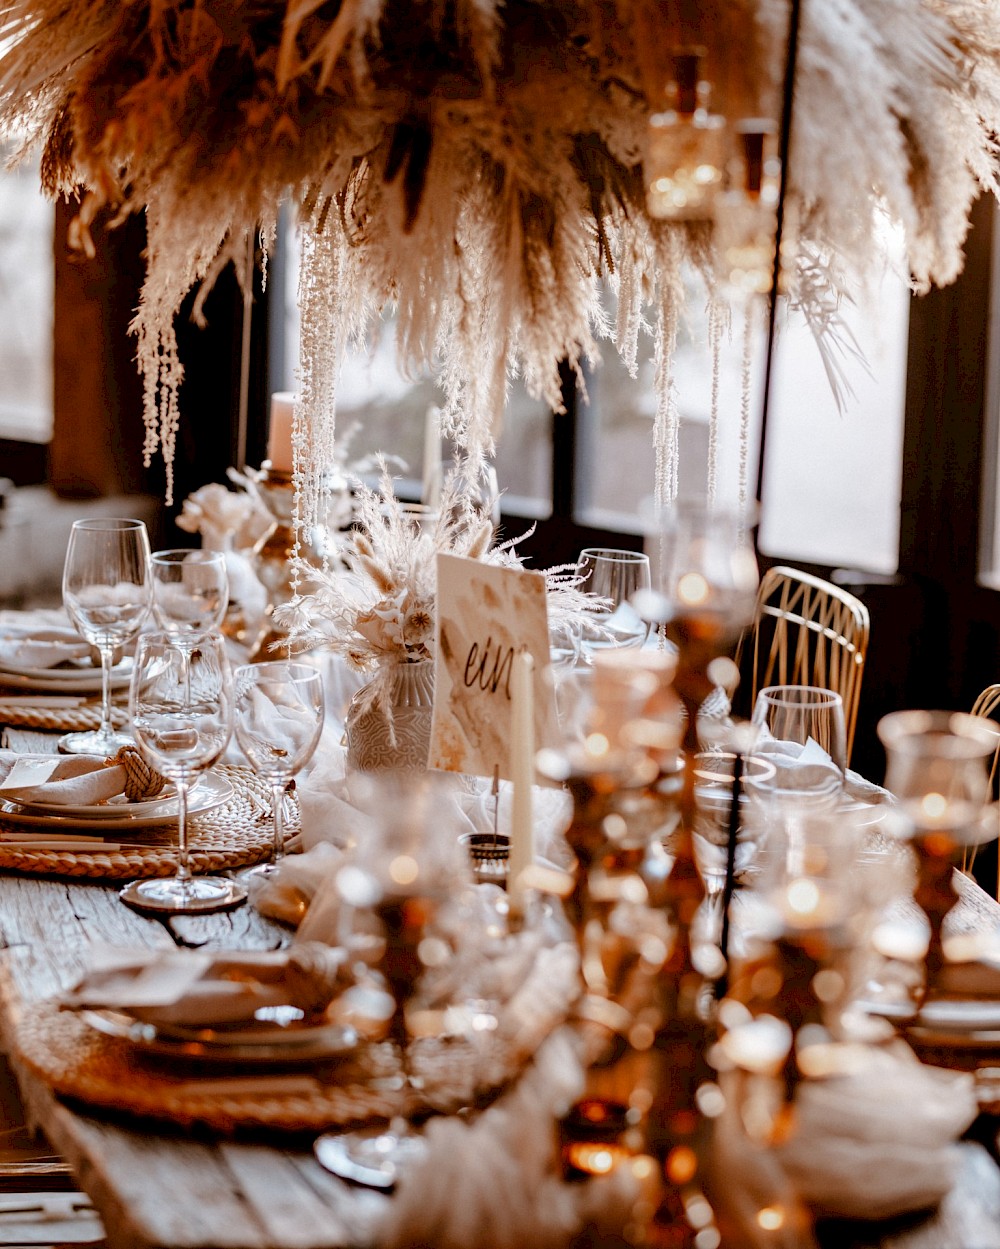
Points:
x=377 y=609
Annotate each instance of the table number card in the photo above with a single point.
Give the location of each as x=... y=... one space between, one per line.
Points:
x=485 y=615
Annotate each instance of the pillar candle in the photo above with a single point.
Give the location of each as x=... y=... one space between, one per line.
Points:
x=522 y=768
x=279 y=433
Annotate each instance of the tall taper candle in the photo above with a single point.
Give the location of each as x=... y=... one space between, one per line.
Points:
x=522 y=770
x=430 y=494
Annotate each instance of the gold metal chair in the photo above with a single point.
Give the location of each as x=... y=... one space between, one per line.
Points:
x=807 y=631
x=986 y=705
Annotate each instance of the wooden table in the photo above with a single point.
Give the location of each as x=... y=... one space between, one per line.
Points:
x=159 y=1190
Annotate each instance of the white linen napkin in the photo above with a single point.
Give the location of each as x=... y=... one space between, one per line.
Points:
x=879 y=1141
x=64 y=780
x=328 y=812
x=191 y=988
x=493 y=1180
x=39 y=639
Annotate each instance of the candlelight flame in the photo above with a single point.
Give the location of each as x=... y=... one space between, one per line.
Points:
x=803 y=896
x=934 y=805
x=692 y=589
x=404 y=870
x=771 y=1218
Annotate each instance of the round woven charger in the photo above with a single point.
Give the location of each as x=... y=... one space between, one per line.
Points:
x=58 y=719
x=236 y=834
x=84 y=1064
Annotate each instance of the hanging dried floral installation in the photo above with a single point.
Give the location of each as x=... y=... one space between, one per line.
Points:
x=484 y=167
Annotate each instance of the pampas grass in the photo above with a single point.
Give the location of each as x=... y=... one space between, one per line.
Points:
x=478 y=166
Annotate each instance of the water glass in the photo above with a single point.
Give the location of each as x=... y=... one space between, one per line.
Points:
x=107 y=592
x=190 y=593
x=279 y=718
x=800 y=729
x=615 y=577
x=181 y=704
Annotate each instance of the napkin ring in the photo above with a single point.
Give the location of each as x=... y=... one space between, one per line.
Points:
x=141 y=781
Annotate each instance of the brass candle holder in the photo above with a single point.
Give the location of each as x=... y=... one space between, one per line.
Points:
x=936 y=767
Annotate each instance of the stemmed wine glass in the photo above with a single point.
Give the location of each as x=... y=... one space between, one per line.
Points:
x=614 y=576
x=279 y=719
x=107 y=593
x=190 y=593
x=801 y=731
x=182 y=715
x=405 y=872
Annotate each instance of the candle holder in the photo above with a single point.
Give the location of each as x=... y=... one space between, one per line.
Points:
x=685 y=146
x=272 y=556
x=936 y=765
x=705 y=583
x=705 y=579
x=746 y=213
x=489 y=854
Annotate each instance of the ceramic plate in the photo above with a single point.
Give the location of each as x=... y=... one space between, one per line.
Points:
x=270 y=1044
x=211 y=792
x=69 y=680
x=110 y=809
x=966 y=1016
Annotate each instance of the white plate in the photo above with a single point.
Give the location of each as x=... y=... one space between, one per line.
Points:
x=969 y=1015
x=298 y=1043
x=65 y=680
x=212 y=792
x=106 y=810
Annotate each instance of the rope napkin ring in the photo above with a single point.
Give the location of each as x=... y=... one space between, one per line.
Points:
x=141 y=781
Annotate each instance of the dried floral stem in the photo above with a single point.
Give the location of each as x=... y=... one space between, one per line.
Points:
x=481 y=173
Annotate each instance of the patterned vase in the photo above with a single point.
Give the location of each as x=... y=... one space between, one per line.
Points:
x=370 y=746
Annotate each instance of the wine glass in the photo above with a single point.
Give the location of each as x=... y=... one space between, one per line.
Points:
x=404 y=873
x=279 y=719
x=107 y=592
x=614 y=576
x=182 y=715
x=800 y=729
x=190 y=593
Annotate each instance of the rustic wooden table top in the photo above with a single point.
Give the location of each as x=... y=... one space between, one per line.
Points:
x=158 y=1189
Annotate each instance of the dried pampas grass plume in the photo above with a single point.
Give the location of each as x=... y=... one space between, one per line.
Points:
x=478 y=166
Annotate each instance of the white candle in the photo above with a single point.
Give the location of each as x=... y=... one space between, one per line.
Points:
x=279 y=432
x=430 y=493
x=522 y=771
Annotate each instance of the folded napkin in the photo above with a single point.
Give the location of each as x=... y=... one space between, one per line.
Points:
x=77 y=780
x=881 y=1140
x=878 y=1140
x=190 y=988
x=41 y=639
x=331 y=810
x=493 y=1180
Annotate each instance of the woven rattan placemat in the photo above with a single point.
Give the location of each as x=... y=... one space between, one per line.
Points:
x=236 y=834
x=57 y=719
x=84 y=1064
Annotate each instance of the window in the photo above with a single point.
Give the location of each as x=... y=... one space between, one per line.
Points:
x=26 y=281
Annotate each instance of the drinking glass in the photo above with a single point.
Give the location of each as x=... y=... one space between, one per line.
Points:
x=279 y=719
x=614 y=576
x=107 y=592
x=190 y=593
x=801 y=731
x=405 y=873
x=182 y=716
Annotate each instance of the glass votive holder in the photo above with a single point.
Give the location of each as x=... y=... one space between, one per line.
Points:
x=489 y=854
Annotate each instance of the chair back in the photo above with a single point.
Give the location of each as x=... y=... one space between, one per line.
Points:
x=807 y=631
x=986 y=705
